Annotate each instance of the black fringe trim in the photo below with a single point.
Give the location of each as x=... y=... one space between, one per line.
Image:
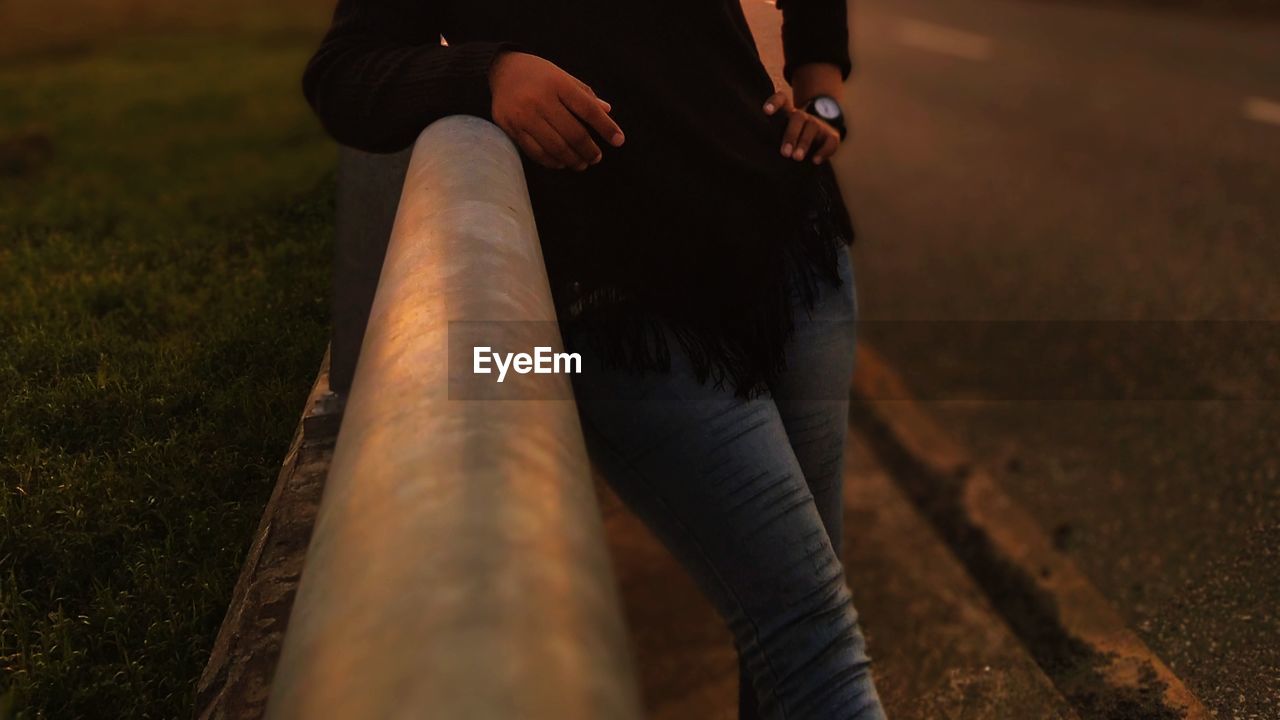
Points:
x=744 y=349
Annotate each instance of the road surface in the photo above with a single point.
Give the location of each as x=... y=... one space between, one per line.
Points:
x=1069 y=245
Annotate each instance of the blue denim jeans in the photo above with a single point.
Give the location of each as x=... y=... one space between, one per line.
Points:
x=747 y=494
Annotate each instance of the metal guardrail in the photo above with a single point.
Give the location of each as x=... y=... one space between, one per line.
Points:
x=458 y=567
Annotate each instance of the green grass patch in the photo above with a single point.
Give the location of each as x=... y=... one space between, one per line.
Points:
x=165 y=215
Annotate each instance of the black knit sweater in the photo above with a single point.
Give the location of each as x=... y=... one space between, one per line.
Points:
x=695 y=224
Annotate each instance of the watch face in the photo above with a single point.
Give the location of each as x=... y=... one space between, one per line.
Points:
x=826 y=108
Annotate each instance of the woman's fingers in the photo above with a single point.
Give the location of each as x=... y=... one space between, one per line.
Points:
x=533 y=149
x=595 y=113
x=792 y=135
x=548 y=112
x=548 y=136
x=777 y=101
x=592 y=94
x=807 y=135
x=825 y=145
x=559 y=135
x=575 y=135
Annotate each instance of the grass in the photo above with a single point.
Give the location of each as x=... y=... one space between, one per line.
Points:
x=164 y=247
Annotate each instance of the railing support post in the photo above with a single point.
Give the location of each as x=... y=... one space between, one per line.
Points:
x=368 y=193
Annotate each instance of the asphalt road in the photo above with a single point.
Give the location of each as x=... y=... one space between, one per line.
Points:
x=1069 y=245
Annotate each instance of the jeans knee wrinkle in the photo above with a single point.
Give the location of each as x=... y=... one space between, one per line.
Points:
x=781 y=513
x=717 y=465
x=817 y=422
x=727 y=417
x=762 y=484
x=748 y=482
x=840 y=658
x=742 y=624
x=756 y=424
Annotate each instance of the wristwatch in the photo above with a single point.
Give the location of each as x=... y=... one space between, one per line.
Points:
x=825 y=108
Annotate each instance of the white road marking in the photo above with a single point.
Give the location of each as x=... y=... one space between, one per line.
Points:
x=1262 y=110
x=945 y=40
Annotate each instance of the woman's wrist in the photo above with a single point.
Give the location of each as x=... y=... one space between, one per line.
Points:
x=813 y=79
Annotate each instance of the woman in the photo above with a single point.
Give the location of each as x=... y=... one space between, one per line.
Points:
x=697 y=249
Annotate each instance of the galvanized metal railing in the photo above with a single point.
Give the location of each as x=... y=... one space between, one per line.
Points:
x=457 y=568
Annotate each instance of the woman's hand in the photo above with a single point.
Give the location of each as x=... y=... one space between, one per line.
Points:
x=806 y=136
x=547 y=112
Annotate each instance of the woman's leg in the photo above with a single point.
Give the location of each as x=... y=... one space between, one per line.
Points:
x=716 y=480
x=813 y=393
x=812 y=398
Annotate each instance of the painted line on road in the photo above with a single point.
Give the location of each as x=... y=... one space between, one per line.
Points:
x=1262 y=110
x=945 y=40
x=1075 y=634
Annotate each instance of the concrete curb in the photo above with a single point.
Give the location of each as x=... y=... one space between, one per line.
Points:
x=237 y=679
x=1101 y=666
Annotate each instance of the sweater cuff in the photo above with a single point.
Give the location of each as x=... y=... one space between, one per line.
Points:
x=467 y=70
x=815 y=32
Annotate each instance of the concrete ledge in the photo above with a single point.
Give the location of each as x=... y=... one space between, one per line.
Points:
x=237 y=679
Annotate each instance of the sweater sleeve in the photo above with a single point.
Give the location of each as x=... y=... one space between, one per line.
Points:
x=815 y=31
x=381 y=74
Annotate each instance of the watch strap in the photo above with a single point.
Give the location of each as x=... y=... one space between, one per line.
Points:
x=838 y=123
